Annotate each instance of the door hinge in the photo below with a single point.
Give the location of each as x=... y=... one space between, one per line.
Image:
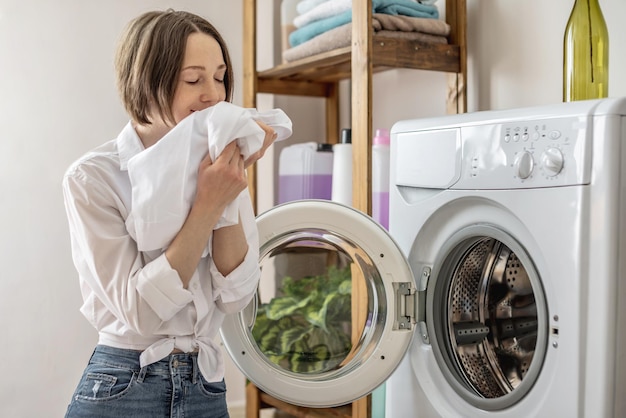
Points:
x=421 y=297
x=411 y=304
x=405 y=306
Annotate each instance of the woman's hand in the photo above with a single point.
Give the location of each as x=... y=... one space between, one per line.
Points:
x=220 y=182
x=270 y=137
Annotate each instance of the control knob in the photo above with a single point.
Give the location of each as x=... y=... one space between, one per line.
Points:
x=524 y=165
x=552 y=161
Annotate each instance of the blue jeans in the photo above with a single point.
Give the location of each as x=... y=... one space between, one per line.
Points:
x=114 y=385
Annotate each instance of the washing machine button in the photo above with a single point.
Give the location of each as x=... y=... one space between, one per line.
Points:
x=524 y=165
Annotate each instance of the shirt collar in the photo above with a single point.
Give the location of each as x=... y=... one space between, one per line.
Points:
x=128 y=144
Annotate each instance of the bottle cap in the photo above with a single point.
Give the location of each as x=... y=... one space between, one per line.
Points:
x=346 y=136
x=381 y=137
x=324 y=147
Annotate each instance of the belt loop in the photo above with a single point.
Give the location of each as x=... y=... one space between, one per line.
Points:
x=142 y=374
x=194 y=377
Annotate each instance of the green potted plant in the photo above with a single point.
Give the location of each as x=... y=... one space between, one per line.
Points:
x=306 y=328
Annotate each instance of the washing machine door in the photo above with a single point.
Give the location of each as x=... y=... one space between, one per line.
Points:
x=331 y=318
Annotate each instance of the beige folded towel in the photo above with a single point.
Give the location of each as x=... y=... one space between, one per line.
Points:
x=436 y=27
x=395 y=26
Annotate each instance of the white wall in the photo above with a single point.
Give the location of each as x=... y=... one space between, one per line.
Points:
x=516 y=51
x=57 y=100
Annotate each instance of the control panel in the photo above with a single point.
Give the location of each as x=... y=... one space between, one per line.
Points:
x=525 y=154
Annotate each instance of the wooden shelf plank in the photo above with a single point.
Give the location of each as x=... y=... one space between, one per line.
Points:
x=400 y=53
x=268 y=401
x=298 y=88
x=306 y=68
x=387 y=53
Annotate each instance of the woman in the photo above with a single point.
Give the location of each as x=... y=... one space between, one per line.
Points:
x=158 y=312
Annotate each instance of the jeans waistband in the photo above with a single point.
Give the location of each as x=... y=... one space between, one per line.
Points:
x=184 y=364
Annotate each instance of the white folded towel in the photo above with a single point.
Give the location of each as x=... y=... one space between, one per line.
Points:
x=322 y=11
x=304 y=6
x=164 y=176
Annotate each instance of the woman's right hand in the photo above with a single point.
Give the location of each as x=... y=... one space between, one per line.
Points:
x=270 y=137
x=220 y=182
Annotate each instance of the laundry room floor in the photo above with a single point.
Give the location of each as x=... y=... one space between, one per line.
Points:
x=240 y=412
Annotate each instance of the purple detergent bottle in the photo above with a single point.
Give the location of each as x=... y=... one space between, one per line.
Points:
x=305 y=172
x=380 y=177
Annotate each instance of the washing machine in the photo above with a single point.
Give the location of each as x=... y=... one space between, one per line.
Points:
x=514 y=224
x=497 y=292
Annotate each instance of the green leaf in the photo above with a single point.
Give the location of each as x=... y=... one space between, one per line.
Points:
x=309 y=359
x=307 y=328
x=281 y=307
x=291 y=336
x=345 y=287
x=318 y=317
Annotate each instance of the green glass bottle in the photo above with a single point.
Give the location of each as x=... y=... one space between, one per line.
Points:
x=585 y=53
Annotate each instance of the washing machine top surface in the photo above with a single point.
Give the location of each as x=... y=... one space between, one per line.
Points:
x=600 y=107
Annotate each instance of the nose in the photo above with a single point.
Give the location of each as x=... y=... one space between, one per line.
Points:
x=212 y=93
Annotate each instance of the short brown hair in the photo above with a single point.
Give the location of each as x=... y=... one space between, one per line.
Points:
x=149 y=58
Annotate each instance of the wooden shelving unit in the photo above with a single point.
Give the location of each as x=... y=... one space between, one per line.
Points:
x=257 y=400
x=318 y=76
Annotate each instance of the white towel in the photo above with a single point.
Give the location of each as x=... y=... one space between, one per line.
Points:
x=332 y=8
x=322 y=11
x=164 y=176
x=304 y=6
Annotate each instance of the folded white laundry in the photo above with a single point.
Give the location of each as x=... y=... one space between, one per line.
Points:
x=304 y=6
x=164 y=176
x=322 y=11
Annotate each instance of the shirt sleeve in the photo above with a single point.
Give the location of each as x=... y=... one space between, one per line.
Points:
x=234 y=291
x=140 y=294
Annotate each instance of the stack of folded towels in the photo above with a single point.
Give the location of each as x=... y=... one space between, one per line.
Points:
x=324 y=25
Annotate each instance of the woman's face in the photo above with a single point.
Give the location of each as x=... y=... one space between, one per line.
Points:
x=201 y=82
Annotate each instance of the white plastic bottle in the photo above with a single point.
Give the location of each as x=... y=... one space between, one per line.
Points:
x=305 y=171
x=342 y=169
x=380 y=177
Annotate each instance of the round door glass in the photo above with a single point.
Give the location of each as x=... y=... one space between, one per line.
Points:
x=323 y=329
x=306 y=320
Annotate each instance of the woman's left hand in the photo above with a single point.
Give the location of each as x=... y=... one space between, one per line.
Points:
x=270 y=137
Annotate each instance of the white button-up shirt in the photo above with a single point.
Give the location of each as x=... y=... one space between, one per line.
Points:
x=135 y=299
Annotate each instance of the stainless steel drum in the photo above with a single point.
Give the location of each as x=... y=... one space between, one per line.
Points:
x=487 y=319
